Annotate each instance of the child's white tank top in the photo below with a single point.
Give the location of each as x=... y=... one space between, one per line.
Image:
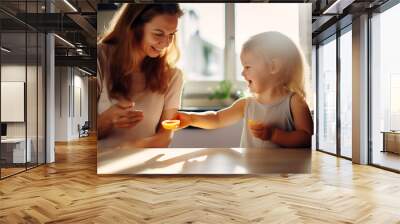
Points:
x=277 y=114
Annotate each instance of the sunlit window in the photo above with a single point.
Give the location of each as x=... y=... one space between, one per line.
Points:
x=211 y=36
x=327 y=97
x=346 y=94
x=394 y=101
x=385 y=84
x=275 y=17
x=202 y=41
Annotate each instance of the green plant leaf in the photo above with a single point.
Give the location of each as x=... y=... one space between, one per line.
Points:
x=222 y=91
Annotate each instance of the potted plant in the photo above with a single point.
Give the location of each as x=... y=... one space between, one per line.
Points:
x=224 y=93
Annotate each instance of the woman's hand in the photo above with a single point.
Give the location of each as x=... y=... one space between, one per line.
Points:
x=262 y=131
x=161 y=139
x=120 y=115
x=123 y=115
x=185 y=118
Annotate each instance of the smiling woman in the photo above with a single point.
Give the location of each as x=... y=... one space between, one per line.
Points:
x=139 y=85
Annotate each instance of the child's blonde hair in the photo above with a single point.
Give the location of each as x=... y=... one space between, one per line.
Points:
x=274 y=44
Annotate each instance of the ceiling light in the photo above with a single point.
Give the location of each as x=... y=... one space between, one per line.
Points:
x=5 y=50
x=337 y=7
x=65 y=41
x=70 y=5
x=79 y=51
x=84 y=71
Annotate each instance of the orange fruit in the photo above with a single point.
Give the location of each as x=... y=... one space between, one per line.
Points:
x=171 y=124
x=251 y=122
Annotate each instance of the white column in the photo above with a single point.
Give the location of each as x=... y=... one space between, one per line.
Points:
x=360 y=90
x=50 y=93
x=313 y=91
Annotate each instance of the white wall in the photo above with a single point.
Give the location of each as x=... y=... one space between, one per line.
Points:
x=12 y=73
x=61 y=103
x=80 y=97
x=33 y=127
x=82 y=82
x=70 y=83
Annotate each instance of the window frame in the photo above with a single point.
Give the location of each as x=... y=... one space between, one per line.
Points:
x=334 y=37
x=201 y=89
x=371 y=14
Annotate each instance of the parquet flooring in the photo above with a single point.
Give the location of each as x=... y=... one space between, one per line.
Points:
x=70 y=191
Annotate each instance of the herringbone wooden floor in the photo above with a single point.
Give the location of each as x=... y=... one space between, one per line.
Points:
x=69 y=191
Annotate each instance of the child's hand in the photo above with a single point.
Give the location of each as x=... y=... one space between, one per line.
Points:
x=261 y=131
x=185 y=118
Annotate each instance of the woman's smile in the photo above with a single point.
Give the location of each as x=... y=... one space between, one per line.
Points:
x=157 y=49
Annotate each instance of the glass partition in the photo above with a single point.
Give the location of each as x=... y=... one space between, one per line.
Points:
x=346 y=94
x=327 y=96
x=385 y=88
x=14 y=151
x=22 y=89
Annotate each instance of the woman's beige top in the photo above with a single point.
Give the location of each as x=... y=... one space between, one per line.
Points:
x=151 y=103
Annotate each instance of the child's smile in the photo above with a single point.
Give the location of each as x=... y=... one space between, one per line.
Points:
x=249 y=82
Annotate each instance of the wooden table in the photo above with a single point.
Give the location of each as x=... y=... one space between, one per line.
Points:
x=391 y=141
x=203 y=161
x=13 y=150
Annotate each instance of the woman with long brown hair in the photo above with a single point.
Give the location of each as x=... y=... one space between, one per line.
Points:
x=139 y=85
